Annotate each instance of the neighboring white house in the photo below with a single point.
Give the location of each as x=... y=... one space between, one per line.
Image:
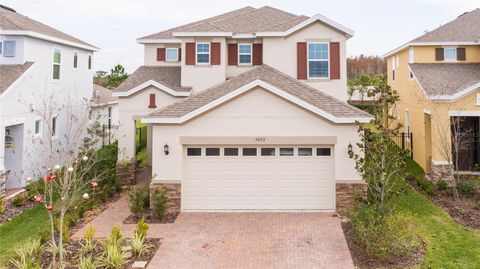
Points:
x=104 y=110
x=246 y=111
x=36 y=62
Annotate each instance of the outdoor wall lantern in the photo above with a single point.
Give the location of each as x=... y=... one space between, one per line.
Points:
x=350 y=150
x=8 y=140
x=166 y=149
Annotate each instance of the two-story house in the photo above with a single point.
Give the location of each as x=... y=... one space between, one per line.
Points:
x=438 y=78
x=246 y=111
x=39 y=65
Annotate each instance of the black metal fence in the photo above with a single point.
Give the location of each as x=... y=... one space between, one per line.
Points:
x=108 y=134
x=141 y=138
x=405 y=142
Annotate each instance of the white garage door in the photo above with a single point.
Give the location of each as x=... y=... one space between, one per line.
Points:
x=258 y=178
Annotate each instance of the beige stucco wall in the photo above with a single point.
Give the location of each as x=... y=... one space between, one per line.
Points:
x=256 y=113
x=131 y=108
x=413 y=99
x=426 y=54
x=201 y=77
x=150 y=54
x=281 y=53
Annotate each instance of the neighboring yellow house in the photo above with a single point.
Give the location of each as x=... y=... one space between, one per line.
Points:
x=438 y=77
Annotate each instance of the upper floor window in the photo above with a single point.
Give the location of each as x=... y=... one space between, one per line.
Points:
x=75 y=59
x=203 y=53
x=9 y=48
x=450 y=54
x=37 y=126
x=57 y=58
x=245 y=54
x=54 y=126
x=171 y=55
x=318 y=60
x=89 y=62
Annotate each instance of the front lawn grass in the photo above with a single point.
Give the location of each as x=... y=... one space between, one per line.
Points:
x=448 y=244
x=20 y=229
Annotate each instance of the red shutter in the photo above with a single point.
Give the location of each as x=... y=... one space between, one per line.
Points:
x=179 y=54
x=152 y=103
x=257 y=54
x=190 y=53
x=302 y=60
x=232 y=54
x=215 y=53
x=334 y=60
x=160 y=54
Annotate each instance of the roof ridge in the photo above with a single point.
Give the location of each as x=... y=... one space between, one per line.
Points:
x=460 y=17
x=206 y=20
x=272 y=26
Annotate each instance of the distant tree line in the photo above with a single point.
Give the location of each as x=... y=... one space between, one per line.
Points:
x=371 y=65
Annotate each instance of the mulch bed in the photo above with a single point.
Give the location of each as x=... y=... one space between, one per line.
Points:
x=11 y=210
x=74 y=247
x=362 y=260
x=461 y=210
x=151 y=218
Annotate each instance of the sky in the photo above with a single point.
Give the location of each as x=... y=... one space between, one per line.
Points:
x=114 y=25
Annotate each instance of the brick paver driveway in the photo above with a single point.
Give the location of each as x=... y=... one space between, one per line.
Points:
x=254 y=240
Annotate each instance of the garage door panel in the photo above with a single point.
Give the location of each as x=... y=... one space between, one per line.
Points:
x=258 y=183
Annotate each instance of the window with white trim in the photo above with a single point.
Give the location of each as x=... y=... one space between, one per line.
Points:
x=9 y=48
x=407 y=121
x=203 y=53
x=89 y=65
x=37 y=127
x=54 y=126
x=245 y=54
x=450 y=54
x=318 y=60
x=57 y=58
x=75 y=60
x=1 y=47
x=171 y=54
x=109 y=118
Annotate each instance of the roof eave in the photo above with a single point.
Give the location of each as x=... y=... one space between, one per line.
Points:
x=210 y=34
x=410 y=44
x=49 y=38
x=348 y=32
x=151 y=118
x=456 y=96
x=153 y=83
x=159 y=40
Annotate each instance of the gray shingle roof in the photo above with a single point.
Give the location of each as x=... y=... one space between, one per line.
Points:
x=102 y=95
x=10 y=73
x=165 y=75
x=10 y=20
x=245 y=20
x=272 y=76
x=465 y=28
x=446 y=78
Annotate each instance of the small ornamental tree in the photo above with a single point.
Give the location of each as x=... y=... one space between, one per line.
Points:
x=68 y=159
x=381 y=161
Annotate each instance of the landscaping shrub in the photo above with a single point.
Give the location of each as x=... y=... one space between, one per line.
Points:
x=477 y=205
x=425 y=185
x=466 y=187
x=19 y=200
x=28 y=256
x=384 y=237
x=142 y=228
x=159 y=203
x=139 y=200
x=113 y=252
x=442 y=185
